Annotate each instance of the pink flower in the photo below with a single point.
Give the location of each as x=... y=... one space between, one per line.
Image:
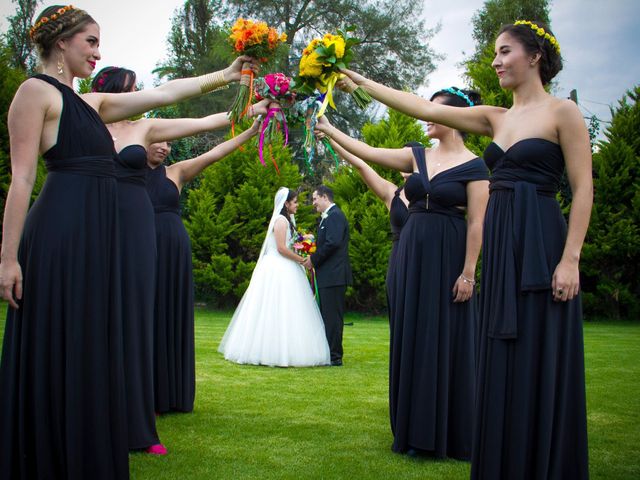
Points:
x=278 y=83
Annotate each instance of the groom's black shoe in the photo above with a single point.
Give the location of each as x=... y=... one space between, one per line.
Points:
x=336 y=363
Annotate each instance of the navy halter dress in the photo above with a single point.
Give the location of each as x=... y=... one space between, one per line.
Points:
x=531 y=409
x=432 y=368
x=62 y=401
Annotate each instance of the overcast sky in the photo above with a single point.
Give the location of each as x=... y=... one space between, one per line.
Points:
x=599 y=42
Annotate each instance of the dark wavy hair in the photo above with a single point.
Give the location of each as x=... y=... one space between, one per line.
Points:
x=550 y=60
x=113 y=80
x=290 y=196
x=64 y=26
x=324 y=191
x=455 y=97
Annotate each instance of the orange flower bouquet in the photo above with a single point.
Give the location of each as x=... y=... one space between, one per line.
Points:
x=257 y=40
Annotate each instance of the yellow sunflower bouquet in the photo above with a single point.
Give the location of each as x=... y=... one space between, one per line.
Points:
x=320 y=67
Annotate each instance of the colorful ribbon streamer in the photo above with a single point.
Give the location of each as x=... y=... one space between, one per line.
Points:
x=277 y=116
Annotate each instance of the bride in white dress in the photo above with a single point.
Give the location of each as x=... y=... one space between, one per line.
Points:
x=278 y=322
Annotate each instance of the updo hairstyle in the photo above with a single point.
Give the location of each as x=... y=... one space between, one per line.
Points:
x=62 y=26
x=550 y=59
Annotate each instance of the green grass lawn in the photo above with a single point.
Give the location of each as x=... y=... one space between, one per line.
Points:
x=332 y=423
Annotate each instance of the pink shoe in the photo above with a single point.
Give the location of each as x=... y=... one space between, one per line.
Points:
x=157 y=449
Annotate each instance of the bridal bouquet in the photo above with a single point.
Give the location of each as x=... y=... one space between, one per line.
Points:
x=276 y=87
x=258 y=40
x=320 y=67
x=305 y=244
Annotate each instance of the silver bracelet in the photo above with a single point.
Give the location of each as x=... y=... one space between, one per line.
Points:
x=470 y=281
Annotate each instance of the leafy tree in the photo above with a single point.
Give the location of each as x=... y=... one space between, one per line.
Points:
x=17 y=36
x=197 y=45
x=368 y=217
x=611 y=252
x=394 y=49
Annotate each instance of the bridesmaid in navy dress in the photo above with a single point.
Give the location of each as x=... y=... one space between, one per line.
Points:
x=434 y=312
x=138 y=246
x=531 y=420
x=175 y=377
x=63 y=405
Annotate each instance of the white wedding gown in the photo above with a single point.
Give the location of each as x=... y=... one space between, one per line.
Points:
x=277 y=322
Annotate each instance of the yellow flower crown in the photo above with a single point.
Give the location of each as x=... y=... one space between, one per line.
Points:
x=541 y=33
x=61 y=11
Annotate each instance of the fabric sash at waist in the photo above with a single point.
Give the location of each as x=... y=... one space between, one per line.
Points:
x=421 y=206
x=523 y=254
x=93 y=166
x=136 y=177
x=166 y=209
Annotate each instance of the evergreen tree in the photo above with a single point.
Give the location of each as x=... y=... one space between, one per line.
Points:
x=368 y=217
x=228 y=215
x=611 y=253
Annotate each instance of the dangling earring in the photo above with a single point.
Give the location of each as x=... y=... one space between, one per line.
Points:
x=60 y=65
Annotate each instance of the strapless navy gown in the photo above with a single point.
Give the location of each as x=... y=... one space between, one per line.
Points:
x=432 y=371
x=138 y=255
x=531 y=421
x=62 y=383
x=175 y=364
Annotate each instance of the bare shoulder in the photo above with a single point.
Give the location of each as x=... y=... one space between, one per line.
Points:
x=36 y=92
x=565 y=109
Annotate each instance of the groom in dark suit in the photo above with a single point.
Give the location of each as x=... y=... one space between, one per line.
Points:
x=333 y=270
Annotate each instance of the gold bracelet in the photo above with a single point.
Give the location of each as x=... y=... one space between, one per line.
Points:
x=212 y=81
x=470 y=281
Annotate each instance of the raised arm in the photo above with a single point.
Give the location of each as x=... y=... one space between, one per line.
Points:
x=477 y=198
x=28 y=108
x=167 y=129
x=383 y=188
x=116 y=107
x=480 y=120
x=574 y=141
x=185 y=171
x=396 y=158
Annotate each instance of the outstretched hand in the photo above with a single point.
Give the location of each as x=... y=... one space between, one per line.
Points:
x=353 y=76
x=233 y=72
x=260 y=108
x=257 y=123
x=322 y=126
